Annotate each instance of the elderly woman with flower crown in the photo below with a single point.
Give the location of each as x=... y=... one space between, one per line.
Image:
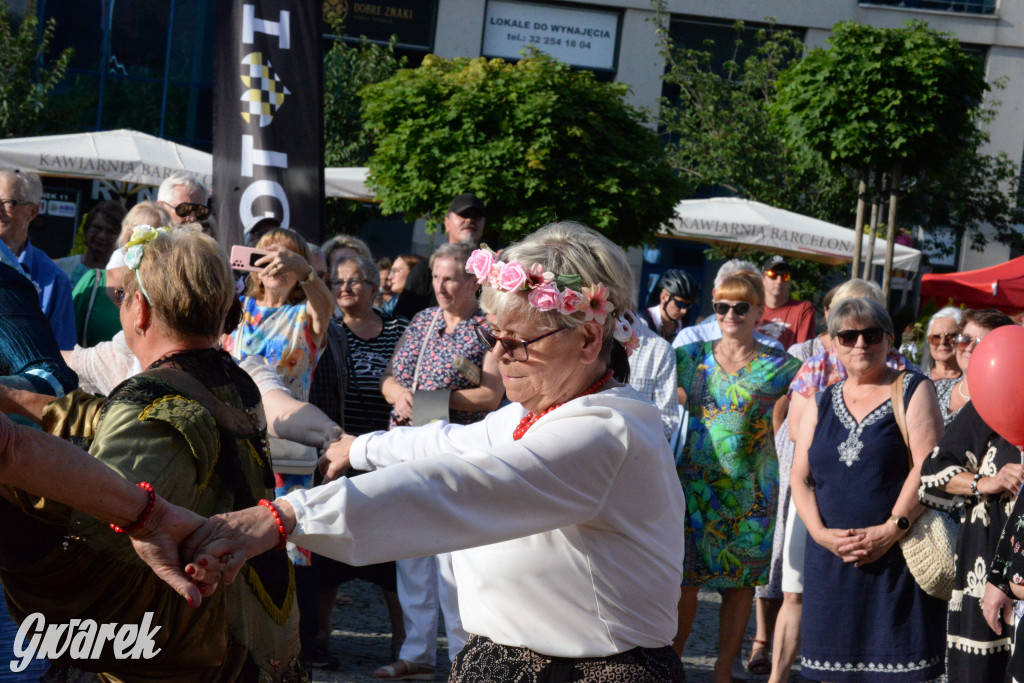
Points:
x=728 y=467
x=562 y=507
x=190 y=428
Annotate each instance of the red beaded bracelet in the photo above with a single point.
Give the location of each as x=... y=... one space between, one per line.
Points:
x=280 y=525
x=148 y=488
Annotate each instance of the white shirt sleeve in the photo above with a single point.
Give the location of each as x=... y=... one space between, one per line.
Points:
x=557 y=475
x=262 y=373
x=380 y=449
x=102 y=367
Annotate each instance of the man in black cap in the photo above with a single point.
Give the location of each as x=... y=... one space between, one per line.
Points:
x=465 y=220
x=464 y=224
x=789 y=321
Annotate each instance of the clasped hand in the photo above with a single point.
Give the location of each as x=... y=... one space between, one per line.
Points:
x=860 y=546
x=216 y=548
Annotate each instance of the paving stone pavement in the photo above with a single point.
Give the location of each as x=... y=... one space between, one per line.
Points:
x=361 y=639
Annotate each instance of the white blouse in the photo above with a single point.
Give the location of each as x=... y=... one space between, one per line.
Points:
x=570 y=540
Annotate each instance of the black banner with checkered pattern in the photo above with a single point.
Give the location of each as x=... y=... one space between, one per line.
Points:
x=268 y=159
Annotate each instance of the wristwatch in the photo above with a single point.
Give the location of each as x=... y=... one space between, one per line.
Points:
x=902 y=523
x=310 y=276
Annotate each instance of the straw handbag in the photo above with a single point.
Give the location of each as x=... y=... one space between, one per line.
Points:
x=929 y=545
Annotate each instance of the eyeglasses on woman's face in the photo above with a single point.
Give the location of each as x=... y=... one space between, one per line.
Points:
x=872 y=336
x=939 y=339
x=740 y=309
x=515 y=348
x=119 y=295
x=348 y=284
x=964 y=342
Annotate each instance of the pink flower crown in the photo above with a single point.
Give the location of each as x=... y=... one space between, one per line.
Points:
x=550 y=292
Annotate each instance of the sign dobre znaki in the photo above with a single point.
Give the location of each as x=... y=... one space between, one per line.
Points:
x=268 y=117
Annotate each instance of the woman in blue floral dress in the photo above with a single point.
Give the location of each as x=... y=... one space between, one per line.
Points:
x=728 y=467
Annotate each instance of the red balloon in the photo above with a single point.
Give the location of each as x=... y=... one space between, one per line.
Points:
x=996 y=377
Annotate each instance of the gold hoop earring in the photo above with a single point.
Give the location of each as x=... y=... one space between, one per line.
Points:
x=137 y=330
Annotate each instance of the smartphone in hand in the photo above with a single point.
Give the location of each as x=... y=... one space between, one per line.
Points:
x=245 y=258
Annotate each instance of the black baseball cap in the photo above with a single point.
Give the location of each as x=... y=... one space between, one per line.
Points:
x=465 y=202
x=777 y=263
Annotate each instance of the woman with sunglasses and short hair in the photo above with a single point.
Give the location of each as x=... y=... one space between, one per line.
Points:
x=973 y=473
x=939 y=358
x=855 y=486
x=728 y=467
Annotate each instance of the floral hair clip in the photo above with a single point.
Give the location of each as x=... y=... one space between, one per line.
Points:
x=141 y=236
x=548 y=292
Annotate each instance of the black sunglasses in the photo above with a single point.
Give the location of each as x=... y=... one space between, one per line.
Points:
x=682 y=304
x=722 y=308
x=119 y=295
x=872 y=336
x=185 y=208
x=516 y=349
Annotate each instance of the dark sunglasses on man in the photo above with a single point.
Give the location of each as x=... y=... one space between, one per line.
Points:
x=775 y=275
x=185 y=208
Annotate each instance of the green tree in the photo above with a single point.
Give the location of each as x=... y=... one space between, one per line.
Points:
x=25 y=80
x=536 y=140
x=723 y=136
x=886 y=102
x=348 y=69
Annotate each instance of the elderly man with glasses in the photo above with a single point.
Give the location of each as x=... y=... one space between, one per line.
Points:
x=185 y=198
x=20 y=194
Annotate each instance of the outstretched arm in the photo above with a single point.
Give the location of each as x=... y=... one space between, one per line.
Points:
x=47 y=466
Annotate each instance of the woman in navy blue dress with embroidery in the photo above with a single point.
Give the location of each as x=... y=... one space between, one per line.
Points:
x=864 y=617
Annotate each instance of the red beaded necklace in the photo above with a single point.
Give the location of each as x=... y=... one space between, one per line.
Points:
x=527 y=422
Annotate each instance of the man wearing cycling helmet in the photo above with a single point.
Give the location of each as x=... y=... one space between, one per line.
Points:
x=678 y=295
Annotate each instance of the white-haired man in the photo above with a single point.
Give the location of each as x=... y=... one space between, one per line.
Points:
x=20 y=194
x=186 y=199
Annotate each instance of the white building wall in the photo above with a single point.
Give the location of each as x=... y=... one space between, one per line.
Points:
x=461 y=22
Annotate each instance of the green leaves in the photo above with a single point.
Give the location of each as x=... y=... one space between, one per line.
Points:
x=25 y=82
x=878 y=97
x=536 y=140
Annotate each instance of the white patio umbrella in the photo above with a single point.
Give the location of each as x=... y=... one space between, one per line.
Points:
x=759 y=226
x=115 y=155
x=348 y=183
x=132 y=157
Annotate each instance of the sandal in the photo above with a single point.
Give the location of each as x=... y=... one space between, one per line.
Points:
x=401 y=670
x=760 y=663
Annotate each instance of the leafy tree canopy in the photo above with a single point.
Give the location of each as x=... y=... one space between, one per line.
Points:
x=536 y=140
x=881 y=96
x=348 y=69
x=25 y=82
x=723 y=137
